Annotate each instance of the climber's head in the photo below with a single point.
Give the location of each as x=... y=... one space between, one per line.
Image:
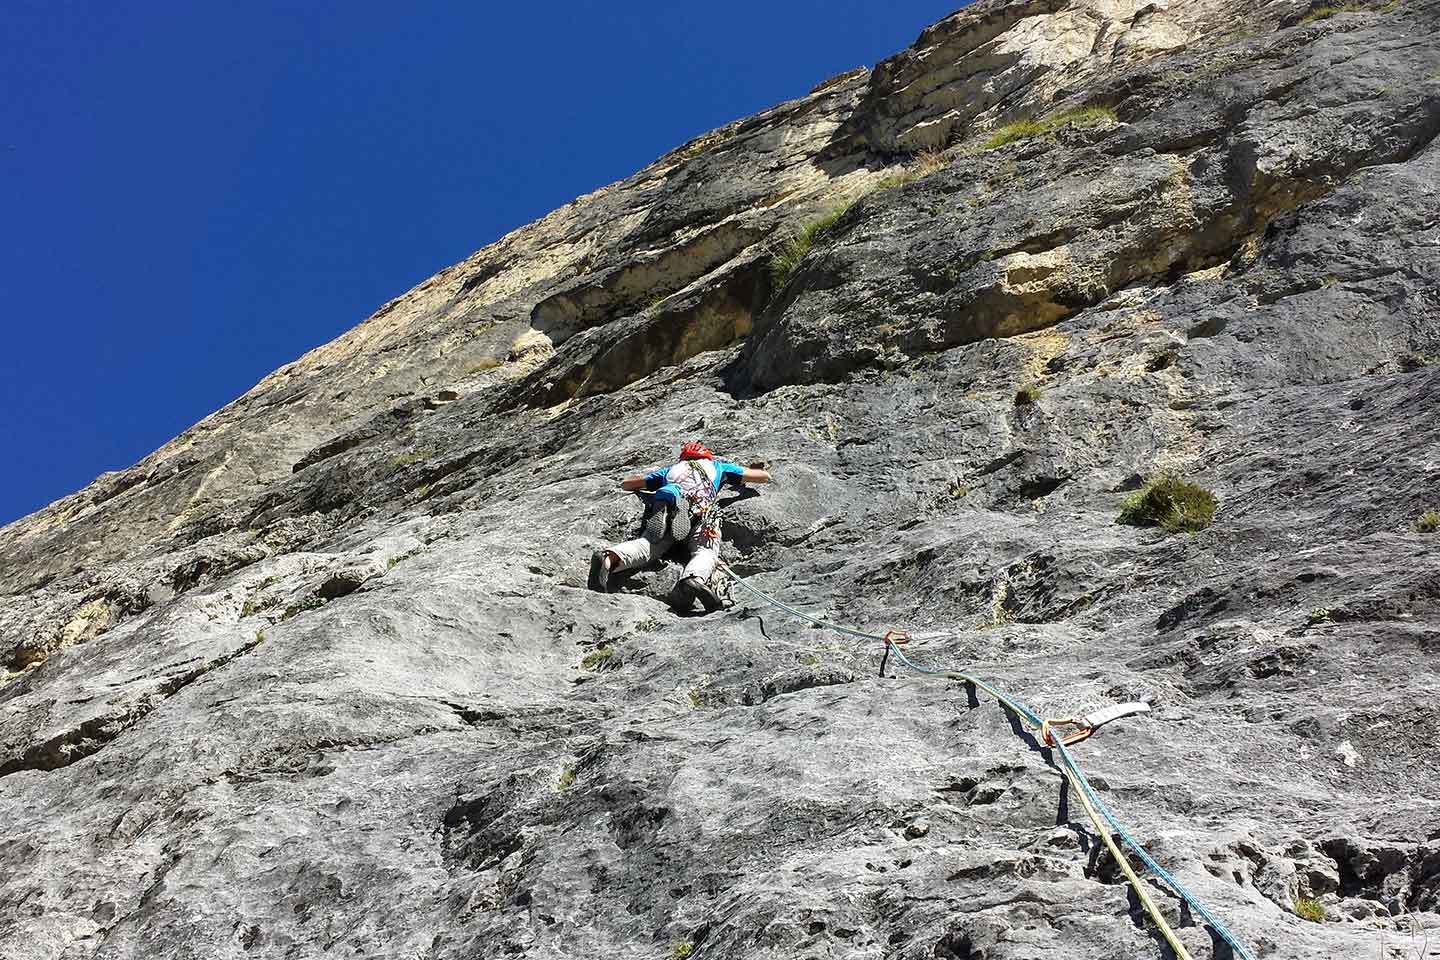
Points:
x=696 y=451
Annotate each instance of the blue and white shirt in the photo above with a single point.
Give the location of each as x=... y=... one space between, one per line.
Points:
x=698 y=481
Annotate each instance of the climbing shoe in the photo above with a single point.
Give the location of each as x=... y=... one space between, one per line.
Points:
x=599 y=573
x=681 y=600
x=690 y=589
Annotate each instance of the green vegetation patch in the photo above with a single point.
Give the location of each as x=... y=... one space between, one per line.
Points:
x=1171 y=503
x=1307 y=908
x=681 y=950
x=897 y=179
x=1014 y=133
x=567 y=776
x=301 y=606
x=600 y=659
x=1029 y=128
x=1429 y=521
x=926 y=163
x=795 y=249
x=1353 y=6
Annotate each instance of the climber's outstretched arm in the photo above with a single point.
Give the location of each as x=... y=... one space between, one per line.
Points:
x=632 y=484
x=753 y=475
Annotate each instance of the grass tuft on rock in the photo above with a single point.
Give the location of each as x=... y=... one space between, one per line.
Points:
x=1013 y=133
x=301 y=606
x=784 y=263
x=567 y=776
x=1171 y=503
x=1332 y=9
x=1429 y=522
x=600 y=659
x=926 y=163
x=901 y=178
x=1026 y=396
x=1029 y=128
x=681 y=950
x=1308 y=908
x=413 y=456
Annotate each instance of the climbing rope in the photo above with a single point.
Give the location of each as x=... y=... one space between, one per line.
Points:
x=1106 y=824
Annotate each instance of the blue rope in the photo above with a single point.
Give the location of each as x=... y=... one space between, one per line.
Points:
x=1175 y=885
x=1035 y=720
x=1222 y=931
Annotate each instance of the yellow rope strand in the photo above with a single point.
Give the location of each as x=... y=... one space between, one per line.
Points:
x=1101 y=827
x=1068 y=768
x=1135 y=882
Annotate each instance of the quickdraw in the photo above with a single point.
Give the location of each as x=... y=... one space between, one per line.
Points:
x=1106 y=824
x=1047 y=737
x=891 y=636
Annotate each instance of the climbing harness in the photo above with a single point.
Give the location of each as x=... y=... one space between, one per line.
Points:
x=1106 y=824
x=696 y=480
x=708 y=517
x=710 y=537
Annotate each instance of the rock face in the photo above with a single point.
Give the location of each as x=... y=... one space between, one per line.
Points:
x=321 y=676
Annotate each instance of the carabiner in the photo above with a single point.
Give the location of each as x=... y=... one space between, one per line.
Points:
x=1069 y=739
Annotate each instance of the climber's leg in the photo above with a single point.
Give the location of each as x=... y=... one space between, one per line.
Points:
x=630 y=555
x=694 y=583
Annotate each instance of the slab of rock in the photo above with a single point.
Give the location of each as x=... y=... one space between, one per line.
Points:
x=321 y=675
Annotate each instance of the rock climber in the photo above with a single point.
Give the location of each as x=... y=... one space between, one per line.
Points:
x=680 y=510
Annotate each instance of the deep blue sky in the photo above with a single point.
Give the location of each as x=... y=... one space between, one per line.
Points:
x=192 y=194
